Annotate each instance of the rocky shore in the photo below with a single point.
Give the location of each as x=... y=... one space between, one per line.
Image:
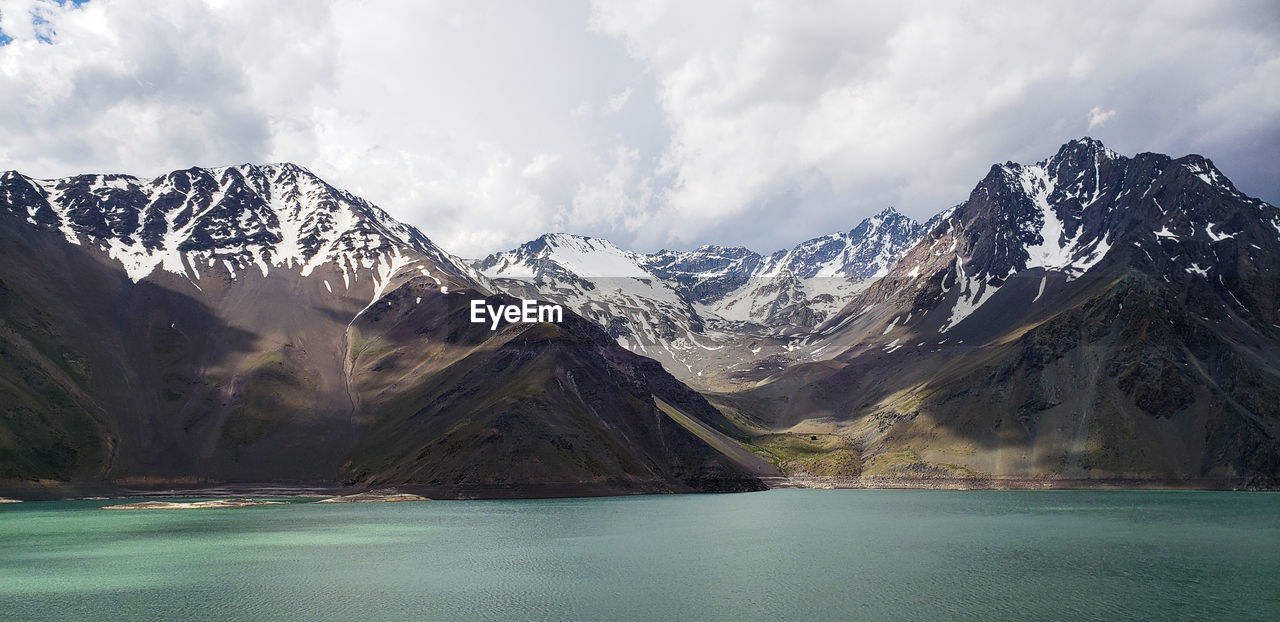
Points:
x=374 y=496
x=1015 y=483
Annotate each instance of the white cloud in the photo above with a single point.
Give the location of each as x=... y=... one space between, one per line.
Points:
x=454 y=118
x=908 y=105
x=616 y=102
x=1098 y=116
x=656 y=124
x=618 y=201
x=149 y=87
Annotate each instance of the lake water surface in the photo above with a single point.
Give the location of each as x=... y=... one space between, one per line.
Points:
x=781 y=554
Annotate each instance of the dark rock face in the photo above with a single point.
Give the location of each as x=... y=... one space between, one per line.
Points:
x=1087 y=210
x=708 y=273
x=1159 y=215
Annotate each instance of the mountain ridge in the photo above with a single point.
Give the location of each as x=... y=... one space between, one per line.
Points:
x=1009 y=339
x=710 y=306
x=226 y=219
x=1091 y=316
x=260 y=337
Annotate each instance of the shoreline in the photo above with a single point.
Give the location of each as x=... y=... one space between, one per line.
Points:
x=1019 y=483
x=103 y=491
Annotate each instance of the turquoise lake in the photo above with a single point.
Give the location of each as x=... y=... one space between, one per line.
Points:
x=781 y=554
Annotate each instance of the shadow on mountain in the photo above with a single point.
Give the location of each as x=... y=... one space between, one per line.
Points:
x=457 y=409
x=105 y=380
x=101 y=378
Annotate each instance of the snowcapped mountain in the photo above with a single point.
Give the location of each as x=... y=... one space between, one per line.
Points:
x=711 y=273
x=797 y=289
x=230 y=221
x=1029 y=232
x=706 y=274
x=1086 y=315
x=1090 y=315
x=610 y=286
x=1029 y=239
x=566 y=255
x=865 y=252
x=709 y=307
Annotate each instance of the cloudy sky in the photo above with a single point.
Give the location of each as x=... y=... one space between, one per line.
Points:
x=656 y=124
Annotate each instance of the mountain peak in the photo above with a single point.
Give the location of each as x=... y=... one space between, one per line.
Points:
x=1084 y=148
x=1203 y=169
x=561 y=236
x=1087 y=141
x=1067 y=213
x=552 y=242
x=565 y=254
x=888 y=216
x=267 y=169
x=279 y=167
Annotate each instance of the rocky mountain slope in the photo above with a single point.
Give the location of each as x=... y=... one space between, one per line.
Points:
x=1088 y=316
x=255 y=324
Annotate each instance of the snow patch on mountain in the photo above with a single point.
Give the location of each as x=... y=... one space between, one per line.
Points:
x=1217 y=237
x=191 y=222
x=1055 y=250
x=973 y=293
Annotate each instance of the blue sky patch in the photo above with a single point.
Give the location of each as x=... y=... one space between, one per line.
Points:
x=44 y=35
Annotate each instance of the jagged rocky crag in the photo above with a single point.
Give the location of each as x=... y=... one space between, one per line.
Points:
x=1091 y=317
